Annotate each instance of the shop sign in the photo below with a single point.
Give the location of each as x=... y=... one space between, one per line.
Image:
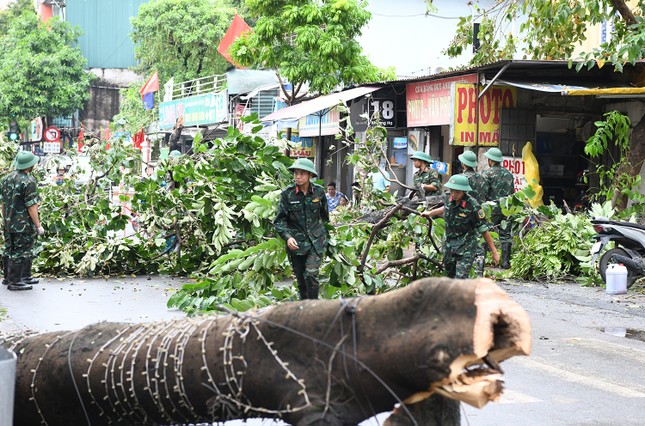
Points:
x=365 y=109
x=302 y=147
x=202 y=110
x=428 y=103
x=36 y=129
x=311 y=125
x=463 y=130
x=51 y=147
x=386 y=110
x=518 y=168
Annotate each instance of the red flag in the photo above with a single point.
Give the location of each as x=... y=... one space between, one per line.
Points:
x=151 y=86
x=237 y=28
x=137 y=140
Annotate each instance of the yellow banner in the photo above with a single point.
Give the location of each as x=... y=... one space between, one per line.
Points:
x=463 y=130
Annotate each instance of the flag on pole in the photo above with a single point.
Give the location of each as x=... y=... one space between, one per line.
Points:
x=148 y=90
x=237 y=28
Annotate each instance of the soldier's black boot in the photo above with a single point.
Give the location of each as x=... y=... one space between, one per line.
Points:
x=506 y=256
x=14 y=273
x=26 y=273
x=302 y=290
x=5 y=270
x=312 y=287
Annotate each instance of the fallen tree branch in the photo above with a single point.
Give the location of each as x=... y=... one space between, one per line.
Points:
x=434 y=339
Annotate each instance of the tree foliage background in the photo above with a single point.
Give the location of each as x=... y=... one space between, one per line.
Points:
x=553 y=30
x=179 y=38
x=41 y=72
x=308 y=42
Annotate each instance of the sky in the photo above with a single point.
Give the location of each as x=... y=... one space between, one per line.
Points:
x=402 y=36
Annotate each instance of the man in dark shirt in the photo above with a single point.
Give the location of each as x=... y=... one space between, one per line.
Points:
x=500 y=184
x=301 y=218
x=20 y=213
x=465 y=222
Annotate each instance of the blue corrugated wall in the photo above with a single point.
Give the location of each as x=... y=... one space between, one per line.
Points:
x=106 y=41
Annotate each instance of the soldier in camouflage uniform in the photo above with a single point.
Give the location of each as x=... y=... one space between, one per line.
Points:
x=20 y=213
x=500 y=184
x=301 y=218
x=425 y=178
x=479 y=190
x=465 y=222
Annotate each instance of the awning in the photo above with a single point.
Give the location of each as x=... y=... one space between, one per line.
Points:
x=320 y=103
x=610 y=92
x=570 y=90
x=541 y=87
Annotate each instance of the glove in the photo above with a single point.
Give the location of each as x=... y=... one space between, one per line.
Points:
x=41 y=231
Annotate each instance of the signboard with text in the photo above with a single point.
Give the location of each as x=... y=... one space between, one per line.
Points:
x=202 y=110
x=302 y=147
x=429 y=102
x=51 y=147
x=517 y=167
x=385 y=109
x=466 y=110
x=312 y=125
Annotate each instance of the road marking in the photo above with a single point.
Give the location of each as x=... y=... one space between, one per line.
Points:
x=593 y=382
x=613 y=349
x=515 y=397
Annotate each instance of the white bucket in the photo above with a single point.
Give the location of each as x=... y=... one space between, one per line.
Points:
x=616 y=279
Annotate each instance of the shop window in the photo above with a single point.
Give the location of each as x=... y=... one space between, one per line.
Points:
x=516 y=128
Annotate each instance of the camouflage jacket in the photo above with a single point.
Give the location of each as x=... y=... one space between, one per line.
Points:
x=19 y=191
x=500 y=183
x=303 y=216
x=429 y=177
x=465 y=222
x=478 y=184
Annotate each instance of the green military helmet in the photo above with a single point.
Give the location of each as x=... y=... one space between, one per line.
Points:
x=174 y=154
x=25 y=160
x=304 y=164
x=459 y=183
x=420 y=155
x=494 y=154
x=468 y=158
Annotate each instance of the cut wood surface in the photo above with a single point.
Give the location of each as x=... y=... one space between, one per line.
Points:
x=332 y=362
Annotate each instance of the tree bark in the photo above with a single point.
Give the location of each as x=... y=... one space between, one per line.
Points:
x=333 y=362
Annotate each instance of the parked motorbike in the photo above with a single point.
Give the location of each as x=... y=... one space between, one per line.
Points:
x=628 y=250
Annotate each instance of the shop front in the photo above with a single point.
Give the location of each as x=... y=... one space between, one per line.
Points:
x=315 y=126
x=510 y=103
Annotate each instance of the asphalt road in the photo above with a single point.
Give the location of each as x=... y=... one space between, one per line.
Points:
x=587 y=366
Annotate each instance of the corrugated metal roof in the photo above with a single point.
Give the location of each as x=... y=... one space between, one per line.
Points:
x=106 y=41
x=318 y=104
x=523 y=68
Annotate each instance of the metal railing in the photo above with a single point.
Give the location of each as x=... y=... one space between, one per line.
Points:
x=199 y=86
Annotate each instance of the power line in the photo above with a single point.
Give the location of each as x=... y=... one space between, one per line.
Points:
x=416 y=15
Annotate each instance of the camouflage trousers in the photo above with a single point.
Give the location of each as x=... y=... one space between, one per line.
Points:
x=503 y=226
x=18 y=246
x=458 y=263
x=306 y=267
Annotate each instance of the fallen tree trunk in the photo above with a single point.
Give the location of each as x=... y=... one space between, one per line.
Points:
x=333 y=362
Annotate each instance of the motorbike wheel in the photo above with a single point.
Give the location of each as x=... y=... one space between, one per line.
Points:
x=607 y=258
